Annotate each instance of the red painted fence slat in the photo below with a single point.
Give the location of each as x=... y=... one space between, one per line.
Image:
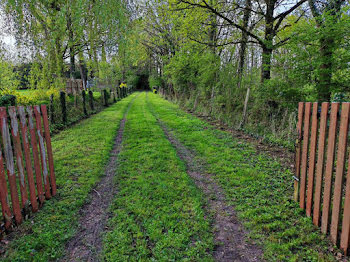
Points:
x=49 y=149
x=311 y=172
x=338 y=184
x=298 y=150
x=304 y=155
x=320 y=163
x=43 y=155
x=36 y=161
x=19 y=156
x=344 y=238
x=5 y=207
x=327 y=184
x=15 y=143
x=26 y=149
x=329 y=166
x=10 y=166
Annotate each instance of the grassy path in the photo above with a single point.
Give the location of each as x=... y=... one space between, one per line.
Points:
x=183 y=188
x=258 y=187
x=157 y=214
x=86 y=245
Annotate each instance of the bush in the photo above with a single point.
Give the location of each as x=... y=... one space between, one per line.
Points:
x=8 y=100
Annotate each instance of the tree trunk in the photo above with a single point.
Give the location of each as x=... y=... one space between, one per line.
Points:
x=324 y=85
x=268 y=41
x=244 y=117
x=244 y=40
x=71 y=46
x=82 y=70
x=266 y=64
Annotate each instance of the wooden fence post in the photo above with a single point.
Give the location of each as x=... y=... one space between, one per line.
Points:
x=345 y=230
x=304 y=155
x=10 y=166
x=75 y=93
x=63 y=107
x=5 y=205
x=91 y=100
x=84 y=102
x=320 y=162
x=298 y=148
x=341 y=159
x=19 y=156
x=36 y=162
x=329 y=167
x=105 y=98
x=312 y=160
x=52 y=115
x=26 y=148
x=49 y=149
x=43 y=155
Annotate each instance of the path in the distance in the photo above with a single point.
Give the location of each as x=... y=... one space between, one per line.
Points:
x=87 y=242
x=229 y=235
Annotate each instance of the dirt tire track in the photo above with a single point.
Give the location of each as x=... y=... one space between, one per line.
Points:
x=229 y=235
x=86 y=245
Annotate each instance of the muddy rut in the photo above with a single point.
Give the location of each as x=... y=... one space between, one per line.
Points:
x=86 y=245
x=229 y=235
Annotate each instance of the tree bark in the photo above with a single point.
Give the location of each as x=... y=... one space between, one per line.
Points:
x=71 y=45
x=268 y=47
x=244 y=40
x=325 y=77
x=327 y=44
x=266 y=64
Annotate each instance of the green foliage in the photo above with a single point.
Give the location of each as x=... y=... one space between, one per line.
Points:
x=8 y=79
x=155 y=81
x=8 y=100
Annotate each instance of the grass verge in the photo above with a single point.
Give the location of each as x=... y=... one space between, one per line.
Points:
x=258 y=187
x=80 y=155
x=157 y=214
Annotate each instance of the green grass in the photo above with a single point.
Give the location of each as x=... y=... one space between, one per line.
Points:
x=157 y=214
x=80 y=155
x=258 y=187
x=25 y=92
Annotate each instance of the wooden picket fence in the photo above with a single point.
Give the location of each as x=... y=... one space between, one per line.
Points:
x=25 y=143
x=321 y=186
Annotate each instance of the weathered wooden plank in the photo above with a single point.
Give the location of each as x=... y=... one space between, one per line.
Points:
x=43 y=155
x=338 y=183
x=345 y=229
x=26 y=149
x=298 y=150
x=10 y=166
x=320 y=162
x=311 y=172
x=19 y=156
x=49 y=149
x=329 y=167
x=304 y=154
x=36 y=161
x=5 y=207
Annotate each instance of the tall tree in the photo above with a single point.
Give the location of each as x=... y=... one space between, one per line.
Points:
x=327 y=14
